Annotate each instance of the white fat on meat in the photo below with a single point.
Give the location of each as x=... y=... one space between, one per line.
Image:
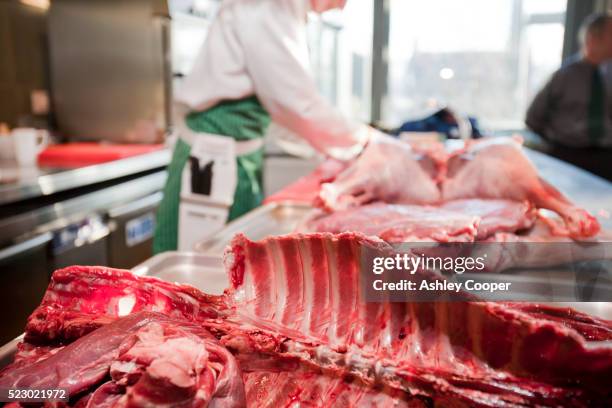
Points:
x=125 y=305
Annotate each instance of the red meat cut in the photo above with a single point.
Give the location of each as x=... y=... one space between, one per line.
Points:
x=83 y=300
x=464 y=220
x=398 y=223
x=105 y=294
x=495 y=215
x=477 y=352
x=295 y=316
x=511 y=233
x=151 y=360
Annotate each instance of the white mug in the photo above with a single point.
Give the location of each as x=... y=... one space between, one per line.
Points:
x=28 y=143
x=7 y=150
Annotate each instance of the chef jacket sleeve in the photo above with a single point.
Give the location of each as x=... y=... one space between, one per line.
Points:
x=276 y=57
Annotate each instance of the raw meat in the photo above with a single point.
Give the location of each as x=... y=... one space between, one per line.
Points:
x=295 y=317
x=541 y=247
x=374 y=177
x=307 y=288
x=510 y=233
x=28 y=353
x=498 y=168
x=66 y=305
x=463 y=220
x=293 y=384
x=495 y=215
x=151 y=359
x=432 y=157
x=104 y=294
x=398 y=223
x=490 y=169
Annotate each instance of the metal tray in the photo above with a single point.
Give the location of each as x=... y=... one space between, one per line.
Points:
x=7 y=352
x=269 y=219
x=202 y=271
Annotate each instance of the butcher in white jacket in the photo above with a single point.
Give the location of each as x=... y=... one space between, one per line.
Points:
x=253 y=67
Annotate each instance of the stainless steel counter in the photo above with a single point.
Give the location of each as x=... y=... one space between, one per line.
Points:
x=266 y=220
x=22 y=183
x=205 y=272
x=583 y=188
x=94 y=215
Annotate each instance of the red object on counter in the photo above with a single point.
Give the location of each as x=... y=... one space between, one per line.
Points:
x=306 y=188
x=83 y=154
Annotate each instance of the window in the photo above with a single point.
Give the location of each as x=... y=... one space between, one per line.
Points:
x=480 y=57
x=341 y=56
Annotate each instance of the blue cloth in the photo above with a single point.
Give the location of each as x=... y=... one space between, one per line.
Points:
x=443 y=121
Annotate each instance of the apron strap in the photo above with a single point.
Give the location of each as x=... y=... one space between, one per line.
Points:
x=243 y=147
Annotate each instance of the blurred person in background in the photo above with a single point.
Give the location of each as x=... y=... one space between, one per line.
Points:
x=573 y=111
x=253 y=67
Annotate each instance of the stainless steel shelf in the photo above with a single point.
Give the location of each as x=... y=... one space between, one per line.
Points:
x=19 y=184
x=60 y=214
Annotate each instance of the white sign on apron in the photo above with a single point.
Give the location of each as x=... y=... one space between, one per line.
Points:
x=208 y=185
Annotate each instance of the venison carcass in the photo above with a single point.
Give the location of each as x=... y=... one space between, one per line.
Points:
x=490 y=169
x=302 y=333
x=510 y=232
x=498 y=168
x=375 y=177
x=311 y=288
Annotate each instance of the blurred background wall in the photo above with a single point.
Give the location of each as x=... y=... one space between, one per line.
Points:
x=23 y=57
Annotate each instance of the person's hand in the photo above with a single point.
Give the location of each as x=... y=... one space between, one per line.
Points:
x=387 y=170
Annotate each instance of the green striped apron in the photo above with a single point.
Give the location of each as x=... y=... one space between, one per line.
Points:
x=243 y=119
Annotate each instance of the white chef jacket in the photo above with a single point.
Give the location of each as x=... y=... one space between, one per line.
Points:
x=259 y=47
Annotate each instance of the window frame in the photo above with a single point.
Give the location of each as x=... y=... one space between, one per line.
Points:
x=576 y=11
